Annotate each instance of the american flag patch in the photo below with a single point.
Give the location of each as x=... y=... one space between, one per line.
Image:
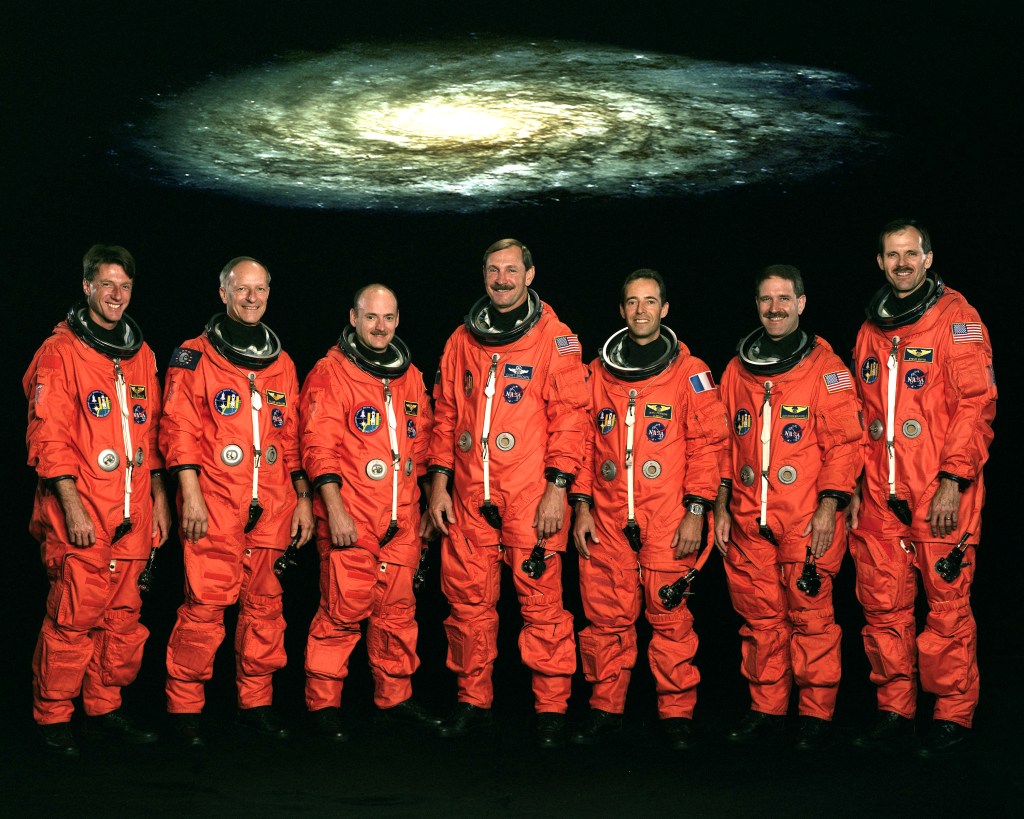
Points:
x=964 y=331
x=568 y=344
x=702 y=381
x=839 y=380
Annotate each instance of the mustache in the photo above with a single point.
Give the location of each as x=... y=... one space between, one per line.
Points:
x=776 y=315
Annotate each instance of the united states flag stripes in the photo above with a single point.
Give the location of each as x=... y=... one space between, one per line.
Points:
x=965 y=331
x=568 y=344
x=839 y=380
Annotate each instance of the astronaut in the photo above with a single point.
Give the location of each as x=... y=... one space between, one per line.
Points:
x=366 y=421
x=796 y=450
x=230 y=435
x=510 y=424
x=100 y=506
x=650 y=474
x=923 y=366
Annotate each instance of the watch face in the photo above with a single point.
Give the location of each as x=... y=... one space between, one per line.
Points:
x=696 y=509
x=560 y=482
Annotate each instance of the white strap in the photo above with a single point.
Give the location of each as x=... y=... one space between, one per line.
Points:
x=890 y=415
x=485 y=452
x=630 y=426
x=257 y=404
x=766 y=439
x=126 y=435
x=393 y=439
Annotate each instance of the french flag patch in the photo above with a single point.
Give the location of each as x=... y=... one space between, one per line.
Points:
x=702 y=381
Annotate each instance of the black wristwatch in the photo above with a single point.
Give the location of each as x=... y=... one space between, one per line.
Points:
x=563 y=480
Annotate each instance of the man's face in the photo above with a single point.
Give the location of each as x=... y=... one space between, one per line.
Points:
x=246 y=293
x=904 y=261
x=375 y=319
x=643 y=310
x=108 y=295
x=506 y=280
x=779 y=307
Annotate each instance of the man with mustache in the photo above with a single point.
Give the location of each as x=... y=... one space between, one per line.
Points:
x=923 y=362
x=796 y=450
x=510 y=423
x=366 y=422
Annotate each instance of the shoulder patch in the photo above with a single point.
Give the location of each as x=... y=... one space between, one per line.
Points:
x=702 y=382
x=967 y=332
x=840 y=380
x=185 y=357
x=567 y=345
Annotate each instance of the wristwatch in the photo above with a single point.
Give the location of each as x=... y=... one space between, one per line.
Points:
x=563 y=480
x=694 y=508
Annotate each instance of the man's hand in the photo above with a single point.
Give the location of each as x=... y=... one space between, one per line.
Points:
x=822 y=526
x=302 y=519
x=81 y=532
x=853 y=510
x=686 y=539
x=723 y=521
x=195 y=518
x=339 y=523
x=584 y=528
x=161 y=512
x=550 y=511
x=439 y=506
x=944 y=510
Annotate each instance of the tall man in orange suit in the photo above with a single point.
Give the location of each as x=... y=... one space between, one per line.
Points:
x=651 y=472
x=366 y=421
x=923 y=362
x=100 y=506
x=510 y=419
x=230 y=434
x=796 y=450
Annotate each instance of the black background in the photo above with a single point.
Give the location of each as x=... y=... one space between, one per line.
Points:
x=942 y=82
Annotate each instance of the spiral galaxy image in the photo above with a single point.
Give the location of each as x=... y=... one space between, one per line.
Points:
x=459 y=126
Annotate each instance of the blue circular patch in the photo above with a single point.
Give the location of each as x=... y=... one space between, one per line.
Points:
x=742 y=422
x=791 y=433
x=869 y=370
x=227 y=402
x=98 y=403
x=915 y=379
x=606 y=420
x=513 y=394
x=368 y=419
x=139 y=414
x=277 y=417
x=410 y=428
x=656 y=431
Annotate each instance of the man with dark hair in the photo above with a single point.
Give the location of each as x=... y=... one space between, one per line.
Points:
x=510 y=423
x=796 y=450
x=366 y=421
x=924 y=364
x=650 y=473
x=100 y=506
x=230 y=435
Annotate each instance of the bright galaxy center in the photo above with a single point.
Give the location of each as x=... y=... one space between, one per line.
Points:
x=481 y=123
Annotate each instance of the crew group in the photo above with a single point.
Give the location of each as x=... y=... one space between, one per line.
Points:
x=641 y=457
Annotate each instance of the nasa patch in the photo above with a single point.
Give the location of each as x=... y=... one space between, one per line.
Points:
x=606 y=420
x=869 y=371
x=656 y=431
x=742 y=422
x=227 y=402
x=277 y=418
x=520 y=371
x=915 y=379
x=367 y=419
x=410 y=428
x=98 y=403
x=139 y=414
x=513 y=394
x=792 y=433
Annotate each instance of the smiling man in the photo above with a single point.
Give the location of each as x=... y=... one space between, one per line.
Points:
x=94 y=408
x=230 y=434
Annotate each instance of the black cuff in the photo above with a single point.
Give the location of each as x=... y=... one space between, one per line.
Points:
x=157 y=473
x=726 y=483
x=49 y=482
x=707 y=504
x=174 y=470
x=577 y=497
x=327 y=477
x=558 y=477
x=963 y=483
x=300 y=475
x=434 y=469
x=842 y=499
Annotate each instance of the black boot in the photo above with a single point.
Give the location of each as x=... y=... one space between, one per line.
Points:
x=757 y=728
x=263 y=721
x=551 y=730
x=466 y=719
x=943 y=740
x=890 y=732
x=678 y=732
x=326 y=724
x=812 y=734
x=118 y=726
x=187 y=731
x=407 y=713
x=597 y=727
x=58 y=740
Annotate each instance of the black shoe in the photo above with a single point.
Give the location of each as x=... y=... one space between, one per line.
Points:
x=890 y=732
x=187 y=731
x=551 y=730
x=407 y=713
x=466 y=719
x=943 y=740
x=118 y=726
x=678 y=732
x=757 y=728
x=326 y=724
x=263 y=721
x=598 y=726
x=812 y=734
x=58 y=740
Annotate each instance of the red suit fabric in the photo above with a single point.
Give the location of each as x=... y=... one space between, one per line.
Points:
x=91 y=640
x=207 y=408
x=540 y=400
x=946 y=385
x=681 y=431
x=789 y=636
x=344 y=433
